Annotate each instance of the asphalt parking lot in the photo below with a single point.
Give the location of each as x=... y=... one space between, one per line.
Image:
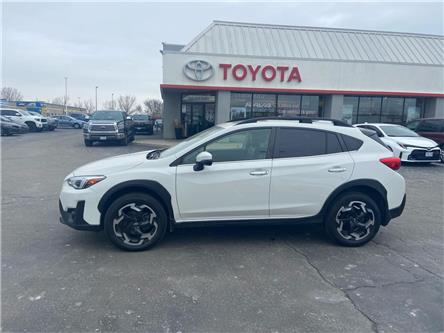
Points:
x=209 y=280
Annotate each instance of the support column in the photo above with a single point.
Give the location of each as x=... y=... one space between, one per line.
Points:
x=171 y=112
x=333 y=106
x=223 y=106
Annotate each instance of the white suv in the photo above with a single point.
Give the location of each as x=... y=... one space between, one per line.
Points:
x=255 y=170
x=36 y=123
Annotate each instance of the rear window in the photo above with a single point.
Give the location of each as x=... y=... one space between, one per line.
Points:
x=351 y=143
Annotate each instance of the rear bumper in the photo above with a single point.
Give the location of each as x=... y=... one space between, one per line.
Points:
x=395 y=212
x=73 y=218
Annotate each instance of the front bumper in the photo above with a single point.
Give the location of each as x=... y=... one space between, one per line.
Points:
x=73 y=217
x=420 y=155
x=96 y=136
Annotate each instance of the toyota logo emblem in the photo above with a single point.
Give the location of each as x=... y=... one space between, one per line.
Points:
x=198 y=70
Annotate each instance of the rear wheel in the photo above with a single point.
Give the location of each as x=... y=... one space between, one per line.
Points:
x=353 y=220
x=135 y=222
x=76 y=126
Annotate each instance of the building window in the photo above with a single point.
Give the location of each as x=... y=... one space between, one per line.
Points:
x=264 y=105
x=413 y=109
x=391 y=111
x=350 y=109
x=310 y=106
x=369 y=109
x=289 y=105
x=240 y=106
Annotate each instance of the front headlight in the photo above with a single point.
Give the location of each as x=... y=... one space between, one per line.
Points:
x=82 y=182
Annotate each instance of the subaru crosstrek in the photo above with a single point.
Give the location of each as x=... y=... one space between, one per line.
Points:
x=255 y=170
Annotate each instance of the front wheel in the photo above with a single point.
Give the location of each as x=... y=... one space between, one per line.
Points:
x=353 y=219
x=135 y=222
x=88 y=143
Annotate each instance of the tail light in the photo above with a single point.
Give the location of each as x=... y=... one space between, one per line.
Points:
x=393 y=163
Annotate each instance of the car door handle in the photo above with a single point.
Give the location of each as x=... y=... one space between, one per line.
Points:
x=259 y=172
x=337 y=169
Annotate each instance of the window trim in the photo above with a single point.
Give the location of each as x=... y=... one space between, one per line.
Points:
x=269 y=154
x=278 y=134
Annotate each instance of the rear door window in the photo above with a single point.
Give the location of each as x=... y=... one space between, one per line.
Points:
x=297 y=142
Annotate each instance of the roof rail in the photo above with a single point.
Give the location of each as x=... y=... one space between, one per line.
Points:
x=307 y=120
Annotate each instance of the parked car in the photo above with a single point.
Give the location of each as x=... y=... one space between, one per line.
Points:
x=35 y=123
x=158 y=124
x=49 y=123
x=431 y=128
x=256 y=170
x=143 y=124
x=79 y=116
x=114 y=126
x=69 y=122
x=23 y=128
x=8 y=127
x=406 y=144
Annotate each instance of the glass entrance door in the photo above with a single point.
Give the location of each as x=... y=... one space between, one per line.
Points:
x=198 y=113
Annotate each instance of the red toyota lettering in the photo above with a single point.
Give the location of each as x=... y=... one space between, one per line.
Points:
x=254 y=71
x=282 y=70
x=267 y=69
x=225 y=68
x=235 y=72
x=294 y=75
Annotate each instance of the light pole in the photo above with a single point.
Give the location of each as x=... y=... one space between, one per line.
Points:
x=66 y=95
x=80 y=103
x=112 y=101
x=96 y=97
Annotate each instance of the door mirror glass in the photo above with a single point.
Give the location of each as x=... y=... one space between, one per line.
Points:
x=202 y=159
x=128 y=118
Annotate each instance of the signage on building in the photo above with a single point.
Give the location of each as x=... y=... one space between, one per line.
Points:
x=198 y=70
x=267 y=73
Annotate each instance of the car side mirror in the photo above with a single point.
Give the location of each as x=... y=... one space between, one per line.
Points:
x=202 y=159
x=128 y=118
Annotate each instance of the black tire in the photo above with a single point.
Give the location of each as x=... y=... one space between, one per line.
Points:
x=342 y=224
x=141 y=229
x=76 y=126
x=88 y=143
x=32 y=127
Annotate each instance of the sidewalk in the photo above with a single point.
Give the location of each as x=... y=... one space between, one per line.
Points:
x=155 y=140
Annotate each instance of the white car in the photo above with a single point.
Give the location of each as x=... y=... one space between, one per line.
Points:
x=36 y=123
x=256 y=170
x=406 y=144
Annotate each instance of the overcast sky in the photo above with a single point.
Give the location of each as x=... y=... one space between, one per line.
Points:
x=115 y=45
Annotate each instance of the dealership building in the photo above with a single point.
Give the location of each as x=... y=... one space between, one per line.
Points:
x=240 y=70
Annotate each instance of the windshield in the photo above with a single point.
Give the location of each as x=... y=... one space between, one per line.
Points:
x=398 y=131
x=140 y=117
x=190 y=141
x=107 y=115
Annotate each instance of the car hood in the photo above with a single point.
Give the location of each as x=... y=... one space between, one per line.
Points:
x=113 y=164
x=418 y=141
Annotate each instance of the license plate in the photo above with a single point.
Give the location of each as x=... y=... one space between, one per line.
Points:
x=102 y=138
x=429 y=154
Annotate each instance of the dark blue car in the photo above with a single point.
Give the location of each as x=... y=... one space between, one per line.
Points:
x=69 y=122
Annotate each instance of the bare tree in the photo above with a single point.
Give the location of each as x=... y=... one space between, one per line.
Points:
x=153 y=106
x=109 y=105
x=126 y=103
x=11 y=94
x=89 y=106
x=138 y=109
x=58 y=100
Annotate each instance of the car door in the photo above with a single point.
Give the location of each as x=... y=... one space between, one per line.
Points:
x=235 y=186
x=307 y=166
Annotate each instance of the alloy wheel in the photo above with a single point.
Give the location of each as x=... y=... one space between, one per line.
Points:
x=135 y=224
x=355 y=221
